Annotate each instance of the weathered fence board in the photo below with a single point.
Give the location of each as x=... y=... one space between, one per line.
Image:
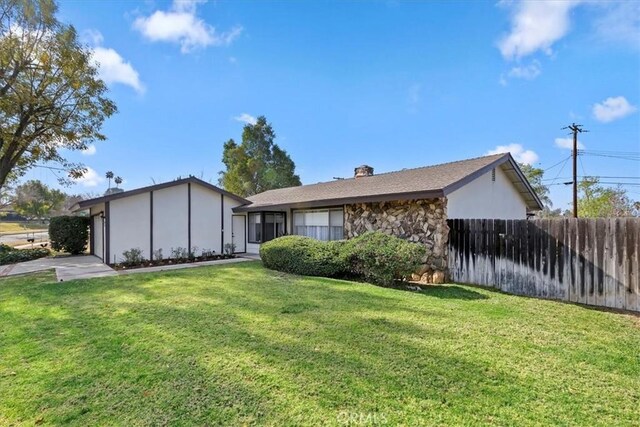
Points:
x=588 y=261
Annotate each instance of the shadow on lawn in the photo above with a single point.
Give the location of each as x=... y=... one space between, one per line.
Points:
x=452 y=292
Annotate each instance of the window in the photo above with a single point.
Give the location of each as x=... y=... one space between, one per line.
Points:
x=326 y=224
x=255 y=227
x=265 y=226
x=273 y=226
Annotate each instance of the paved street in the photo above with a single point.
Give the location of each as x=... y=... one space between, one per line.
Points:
x=14 y=237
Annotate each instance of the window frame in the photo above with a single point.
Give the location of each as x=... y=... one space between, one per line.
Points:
x=324 y=208
x=262 y=215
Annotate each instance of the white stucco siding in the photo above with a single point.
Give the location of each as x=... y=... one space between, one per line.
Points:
x=129 y=225
x=170 y=219
x=485 y=198
x=253 y=248
x=205 y=219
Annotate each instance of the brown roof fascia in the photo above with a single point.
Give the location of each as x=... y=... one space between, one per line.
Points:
x=344 y=201
x=84 y=204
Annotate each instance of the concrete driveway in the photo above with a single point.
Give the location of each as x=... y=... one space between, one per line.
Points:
x=66 y=267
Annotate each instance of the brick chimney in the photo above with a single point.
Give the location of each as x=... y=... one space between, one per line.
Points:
x=364 y=170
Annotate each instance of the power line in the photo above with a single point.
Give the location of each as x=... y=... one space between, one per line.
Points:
x=563 y=160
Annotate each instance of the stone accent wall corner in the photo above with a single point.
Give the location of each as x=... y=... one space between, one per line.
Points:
x=422 y=221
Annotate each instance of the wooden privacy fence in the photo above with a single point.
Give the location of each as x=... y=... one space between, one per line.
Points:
x=588 y=261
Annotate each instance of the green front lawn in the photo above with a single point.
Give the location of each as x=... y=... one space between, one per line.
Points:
x=239 y=344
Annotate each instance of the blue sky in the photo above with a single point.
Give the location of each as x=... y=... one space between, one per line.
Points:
x=389 y=84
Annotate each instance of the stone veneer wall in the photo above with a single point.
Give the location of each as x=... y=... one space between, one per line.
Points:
x=423 y=221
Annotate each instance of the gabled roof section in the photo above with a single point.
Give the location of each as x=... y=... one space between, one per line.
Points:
x=85 y=204
x=424 y=182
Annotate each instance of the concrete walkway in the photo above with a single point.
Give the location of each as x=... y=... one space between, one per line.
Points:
x=89 y=266
x=66 y=267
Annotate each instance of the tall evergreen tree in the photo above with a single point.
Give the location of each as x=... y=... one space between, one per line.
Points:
x=257 y=164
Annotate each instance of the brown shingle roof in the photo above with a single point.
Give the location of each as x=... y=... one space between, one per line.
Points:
x=423 y=182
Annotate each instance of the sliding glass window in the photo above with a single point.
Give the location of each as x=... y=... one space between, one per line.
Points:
x=265 y=226
x=321 y=224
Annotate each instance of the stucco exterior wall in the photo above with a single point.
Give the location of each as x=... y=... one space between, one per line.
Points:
x=421 y=221
x=206 y=223
x=129 y=225
x=170 y=219
x=485 y=198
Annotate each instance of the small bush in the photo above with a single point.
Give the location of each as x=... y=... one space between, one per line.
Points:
x=157 y=255
x=304 y=256
x=179 y=253
x=13 y=256
x=133 y=257
x=374 y=256
x=382 y=259
x=229 y=248
x=69 y=233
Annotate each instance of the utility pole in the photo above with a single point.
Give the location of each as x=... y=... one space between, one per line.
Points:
x=575 y=130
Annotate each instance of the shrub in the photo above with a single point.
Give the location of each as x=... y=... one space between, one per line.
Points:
x=69 y=233
x=13 y=256
x=133 y=257
x=179 y=253
x=373 y=256
x=157 y=255
x=380 y=258
x=303 y=255
x=229 y=248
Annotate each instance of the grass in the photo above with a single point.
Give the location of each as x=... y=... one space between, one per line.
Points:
x=19 y=227
x=238 y=344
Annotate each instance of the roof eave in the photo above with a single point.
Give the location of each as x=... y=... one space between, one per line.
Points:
x=432 y=194
x=533 y=201
x=86 y=204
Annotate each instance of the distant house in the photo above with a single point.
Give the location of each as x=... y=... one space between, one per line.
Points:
x=413 y=204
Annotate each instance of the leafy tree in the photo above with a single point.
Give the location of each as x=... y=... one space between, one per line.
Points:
x=118 y=181
x=534 y=176
x=34 y=199
x=50 y=95
x=257 y=164
x=6 y=195
x=597 y=201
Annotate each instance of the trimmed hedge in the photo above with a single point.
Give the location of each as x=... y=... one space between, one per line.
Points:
x=374 y=256
x=9 y=255
x=304 y=256
x=382 y=259
x=69 y=233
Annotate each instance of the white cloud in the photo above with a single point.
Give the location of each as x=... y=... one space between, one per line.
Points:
x=246 y=118
x=527 y=72
x=535 y=25
x=567 y=143
x=90 y=151
x=181 y=25
x=112 y=68
x=619 y=21
x=517 y=151
x=612 y=108
x=90 y=179
x=92 y=37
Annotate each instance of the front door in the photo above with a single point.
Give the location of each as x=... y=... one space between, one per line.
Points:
x=238 y=233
